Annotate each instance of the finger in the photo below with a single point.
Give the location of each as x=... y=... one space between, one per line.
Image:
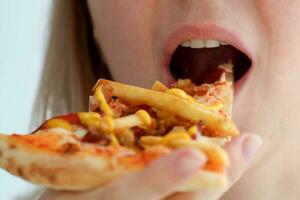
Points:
x=201 y=194
x=240 y=151
x=159 y=179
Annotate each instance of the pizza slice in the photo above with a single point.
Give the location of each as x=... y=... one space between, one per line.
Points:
x=127 y=128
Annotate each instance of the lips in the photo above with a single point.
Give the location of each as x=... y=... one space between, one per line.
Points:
x=194 y=52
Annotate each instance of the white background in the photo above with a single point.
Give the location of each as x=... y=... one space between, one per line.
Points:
x=23 y=38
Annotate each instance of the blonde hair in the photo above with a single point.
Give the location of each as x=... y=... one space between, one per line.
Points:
x=72 y=63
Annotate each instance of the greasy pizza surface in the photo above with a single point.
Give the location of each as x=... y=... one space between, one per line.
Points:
x=127 y=128
x=55 y=158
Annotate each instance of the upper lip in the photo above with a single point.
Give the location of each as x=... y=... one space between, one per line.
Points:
x=205 y=31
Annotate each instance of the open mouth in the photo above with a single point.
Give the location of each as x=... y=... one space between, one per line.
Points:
x=198 y=60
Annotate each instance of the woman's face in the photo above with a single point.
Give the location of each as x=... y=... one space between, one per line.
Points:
x=138 y=39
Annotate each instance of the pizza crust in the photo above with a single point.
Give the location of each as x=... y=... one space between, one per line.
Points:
x=75 y=166
x=51 y=169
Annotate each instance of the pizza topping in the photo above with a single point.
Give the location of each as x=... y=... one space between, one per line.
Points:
x=113 y=140
x=81 y=131
x=139 y=119
x=89 y=118
x=179 y=137
x=102 y=102
x=193 y=130
x=102 y=140
x=144 y=117
x=69 y=147
x=159 y=86
x=101 y=125
x=180 y=93
x=184 y=115
x=192 y=111
x=218 y=95
x=126 y=138
x=125 y=129
x=59 y=123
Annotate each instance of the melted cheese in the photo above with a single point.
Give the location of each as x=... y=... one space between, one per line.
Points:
x=106 y=124
x=102 y=102
x=180 y=93
x=144 y=117
x=87 y=118
x=159 y=86
x=175 y=136
x=192 y=131
x=178 y=133
x=59 y=123
x=113 y=140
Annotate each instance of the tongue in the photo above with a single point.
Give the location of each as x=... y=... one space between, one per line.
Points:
x=200 y=65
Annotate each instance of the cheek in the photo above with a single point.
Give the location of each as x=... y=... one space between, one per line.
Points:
x=281 y=20
x=282 y=23
x=123 y=29
x=115 y=19
x=275 y=84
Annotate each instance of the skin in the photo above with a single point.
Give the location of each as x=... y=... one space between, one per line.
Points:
x=132 y=33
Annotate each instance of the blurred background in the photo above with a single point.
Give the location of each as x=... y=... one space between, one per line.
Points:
x=23 y=39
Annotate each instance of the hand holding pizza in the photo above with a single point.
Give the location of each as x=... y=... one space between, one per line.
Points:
x=160 y=179
x=136 y=143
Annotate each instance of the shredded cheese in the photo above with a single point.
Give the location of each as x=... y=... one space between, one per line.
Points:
x=102 y=102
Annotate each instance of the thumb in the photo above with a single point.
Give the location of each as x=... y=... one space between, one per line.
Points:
x=160 y=179
x=241 y=150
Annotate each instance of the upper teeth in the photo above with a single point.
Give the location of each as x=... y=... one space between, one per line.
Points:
x=198 y=43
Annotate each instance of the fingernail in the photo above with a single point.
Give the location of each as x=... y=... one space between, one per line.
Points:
x=250 y=145
x=188 y=162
